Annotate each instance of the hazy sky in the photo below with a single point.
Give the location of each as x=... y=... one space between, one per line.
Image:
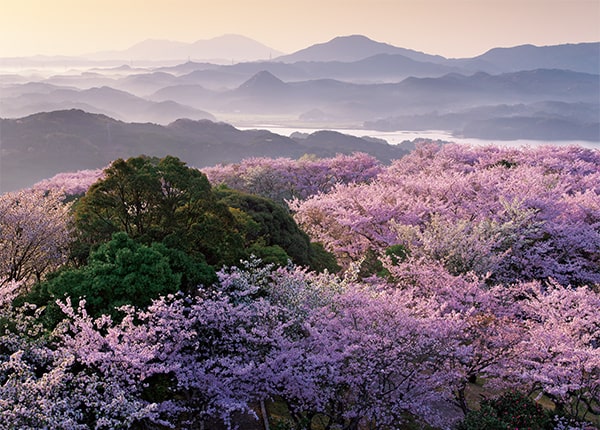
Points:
x=452 y=28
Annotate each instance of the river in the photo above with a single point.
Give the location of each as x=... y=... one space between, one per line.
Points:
x=396 y=137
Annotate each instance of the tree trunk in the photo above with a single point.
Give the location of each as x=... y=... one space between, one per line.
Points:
x=263 y=411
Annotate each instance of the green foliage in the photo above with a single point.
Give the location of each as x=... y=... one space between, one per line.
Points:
x=509 y=411
x=120 y=272
x=215 y=236
x=273 y=254
x=520 y=411
x=152 y=227
x=193 y=272
x=165 y=201
x=156 y=200
x=506 y=164
x=288 y=424
x=321 y=260
x=271 y=233
x=372 y=264
x=272 y=223
x=397 y=253
x=485 y=418
x=159 y=387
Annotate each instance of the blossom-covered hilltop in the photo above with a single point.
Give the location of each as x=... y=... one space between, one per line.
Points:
x=335 y=293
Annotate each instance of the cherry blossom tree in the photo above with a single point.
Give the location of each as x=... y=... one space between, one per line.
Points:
x=561 y=356
x=340 y=351
x=488 y=272
x=365 y=359
x=9 y=291
x=43 y=385
x=71 y=183
x=281 y=179
x=35 y=234
x=487 y=327
x=506 y=212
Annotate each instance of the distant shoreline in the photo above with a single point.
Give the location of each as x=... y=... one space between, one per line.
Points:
x=397 y=137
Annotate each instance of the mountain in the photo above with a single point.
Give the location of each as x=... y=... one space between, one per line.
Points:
x=550 y=128
x=41 y=145
x=190 y=95
x=353 y=48
x=358 y=59
x=529 y=85
x=347 y=81
x=550 y=121
x=263 y=83
x=551 y=105
x=187 y=67
x=266 y=94
x=581 y=57
x=376 y=68
x=226 y=48
x=233 y=47
x=106 y=100
x=142 y=84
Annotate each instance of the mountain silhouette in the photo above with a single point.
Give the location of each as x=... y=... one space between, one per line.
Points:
x=266 y=94
x=226 y=48
x=41 y=145
x=548 y=121
x=353 y=48
x=552 y=92
x=581 y=57
x=107 y=100
x=262 y=83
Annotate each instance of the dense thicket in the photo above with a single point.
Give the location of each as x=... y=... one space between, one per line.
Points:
x=462 y=266
x=149 y=227
x=165 y=201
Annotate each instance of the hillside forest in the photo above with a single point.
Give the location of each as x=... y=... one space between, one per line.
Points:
x=456 y=287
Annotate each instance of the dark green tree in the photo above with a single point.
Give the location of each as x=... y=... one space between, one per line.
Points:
x=154 y=200
x=120 y=272
x=271 y=233
x=511 y=410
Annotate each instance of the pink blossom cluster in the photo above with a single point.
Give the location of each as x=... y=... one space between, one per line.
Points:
x=71 y=183
x=511 y=214
x=281 y=179
x=337 y=350
x=35 y=233
x=498 y=281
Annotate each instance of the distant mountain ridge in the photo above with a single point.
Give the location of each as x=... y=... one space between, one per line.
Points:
x=41 y=145
x=169 y=97
x=226 y=48
x=103 y=100
x=231 y=48
x=580 y=57
x=353 y=48
x=265 y=93
x=548 y=92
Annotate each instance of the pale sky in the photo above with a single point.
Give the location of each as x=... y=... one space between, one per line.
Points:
x=452 y=28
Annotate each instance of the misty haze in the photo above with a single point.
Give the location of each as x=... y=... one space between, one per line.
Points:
x=546 y=93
